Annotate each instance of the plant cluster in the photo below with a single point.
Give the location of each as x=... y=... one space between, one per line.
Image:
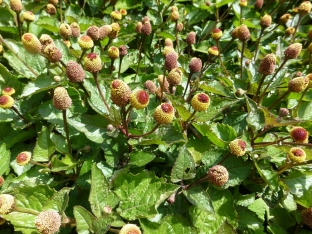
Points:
x=156 y=116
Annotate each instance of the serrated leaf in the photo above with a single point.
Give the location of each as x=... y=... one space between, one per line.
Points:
x=22 y=222
x=84 y=220
x=175 y=224
x=59 y=201
x=4 y=159
x=140 y=158
x=250 y=222
x=197 y=148
x=267 y=173
x=100 y=194
x=139 y=193
x=199 y=197
x=184 y=166
x=255 y=116
x=44 y=146
x=102 y=224
x=260 y=208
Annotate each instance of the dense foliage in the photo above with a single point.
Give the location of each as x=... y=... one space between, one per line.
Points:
x=173 y=116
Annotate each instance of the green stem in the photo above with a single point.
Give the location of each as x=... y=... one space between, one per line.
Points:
x=84 y=89
x=296 y=28
x=278 y=100
x=66 y=131
x=145 y=134
x=95 y=76
x=259 y=86
x=19 y=114
x=258 y=42
x=287 y=166
x=300 y=100
x=19 y=24
x=187 y=84
x=111 y=67
x=38 y=164
x=221 y=62
x=81 y=56
x=242 y=58
x=26 y=210
x=124 y=120
x=140 y=51
x=61 y=12
x=189 y=118
x=176 y=35
x=162 y=86
x=120 y=61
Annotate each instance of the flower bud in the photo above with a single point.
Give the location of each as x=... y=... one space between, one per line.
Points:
x=310 y=48
x=150 y=86
x=115 y=30
x=54 y=2
x=243 y=33
x=8 y=91
x=45 y=40
x=93 y=32
x=65 y=30
x=293 y=51
x=138 y=27
x=168 y=42
x=166 y=84
x=296 y=154
x=218 y=175
x=267 y=65
x=27 y=16
x=53 y=54
x=309 y=77
x=57 y=78
x=75 y=29
x=171 y=61
x=120 y=93
x=92 y=62
x=130 y=229
x=1 y=182
x=31 y=43
x=164 y=113
x=116 y=15
x=299 y=135
x=174 y=8
x=146 y=28
x=283 y=112
x=6 y=101
x=213 y=51
x=243 y=3
x=123 y=51
x=51 y=10
x=200 y=102
x=123 y=12
x=167 y=50
x=195 y=65
x=7 y=203
x=104 y=31
x=234 y=33
x=48 y=222
x=259 y=4
x=266 y=21
x=240 y=92
x=113 y=52
x=216 y=34
x=145 y=19
x=304 y=8
x=74 y=72
x=180 y=27
x=23 y=158
x=85 y=42
x=16 y=5
x=174 y=77
x=238 y=147
x=61 y=99
x=290 y=31
x=307 y=217
x=139 y=99
x=309 y=35
x=284 y=18
x=298 y=84
x=191 y=38
x=174 y=16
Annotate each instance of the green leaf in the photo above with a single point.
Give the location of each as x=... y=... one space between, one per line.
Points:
x=223 y=2
x=267 y=173
x=175 y=224
x=140 y=158
x=304 y=112
x=199 y=197
x=139 y=193
x=49 y=23
x=197 y=148
x=102 y=224
x=128 y=4
x=250 y=222
x=184 y=166
x=100 y=194
x=255 y=116
x=260 y=208
x=9 y=79
x=59 y=201
x=84 y=220
x=44 y=146
x=4 y=159
x=216 y=87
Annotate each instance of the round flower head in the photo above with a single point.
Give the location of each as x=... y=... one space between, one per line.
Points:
x=296 y=154
x=27 y=16
x=54 y=2
x=283 y=112
x=266 y=21
x=123 y=51
x=234 y=33
x=168 y=42
x=93 y=32
x=243 y=3
x=16 y=5
x=213 y=51
x=31 y=43
x=1 y=48
x=51 y=10
x=23 y=158
x=74 y=72
x=150 y=86
x=123 y=12
x=174 y=77
x=238 y=147
x=284 y=18
x=139 y=99
x=130 y=229
x=174 y=16
x=92 y=63
x=290 y=31
x=267 y=64
x=48 y=222
x=61 y=99
x=304 y=8
x=309 y=77
x=164 y=113
x=146 y=28
x=195 y=65
x=85 y=42
x=166 y=84
x=307 y=217
x=167 y=50
x=1 y=180
x=293 y=51
x=243 y=33
x=299 y=135
x=216 y=33
x=310 y=48
x=7 y=203
x=138 y=27
x=45 y=40
x=180 y=27
x=75 y=29
x=171 y=61
x=6 y=101
x=218 y=175
x=145 y=19
x=52 y=53
x=259 y=4
x=104 y=31
x=120 y=93
x=309 y=35
x=298 y=84
x=113 y=52
x=115 y=30
x=116 y=15
x=191 y=38
x=200 y=102
x=8 y=91
x=174 y=8
x=65 y=30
